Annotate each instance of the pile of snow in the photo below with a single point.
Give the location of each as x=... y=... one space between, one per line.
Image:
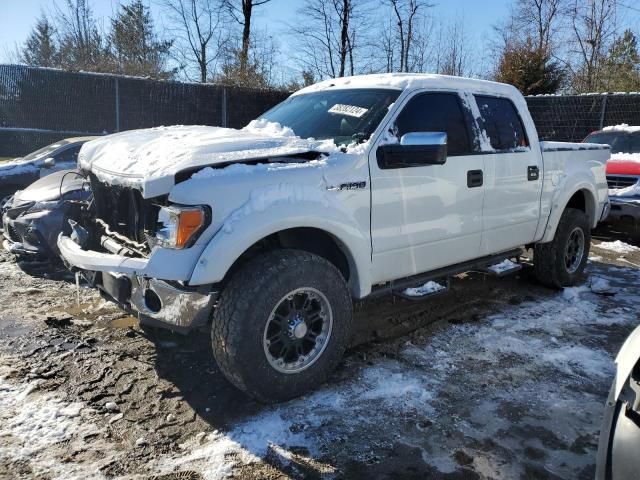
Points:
x=618 y=247
x=425 y=289
x=632 y=191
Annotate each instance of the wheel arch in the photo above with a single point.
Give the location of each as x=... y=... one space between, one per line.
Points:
x=581 y=198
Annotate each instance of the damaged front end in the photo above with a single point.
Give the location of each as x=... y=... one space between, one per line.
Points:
x=113 y=242
x=34 y=217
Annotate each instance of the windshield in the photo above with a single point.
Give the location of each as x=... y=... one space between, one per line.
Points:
x=345 y=116
x=620 y=142
x=45 y=150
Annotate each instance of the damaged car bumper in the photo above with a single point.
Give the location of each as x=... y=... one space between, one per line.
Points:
x=167 y=303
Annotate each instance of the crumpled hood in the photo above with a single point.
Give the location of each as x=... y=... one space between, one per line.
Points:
x=149 y=159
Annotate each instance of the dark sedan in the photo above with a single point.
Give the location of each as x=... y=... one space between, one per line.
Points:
x=22 y=172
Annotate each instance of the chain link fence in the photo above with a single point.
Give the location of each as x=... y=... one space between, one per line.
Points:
x=570 y=118
x=39 y=106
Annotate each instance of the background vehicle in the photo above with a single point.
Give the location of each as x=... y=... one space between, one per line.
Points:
x=620 y=431
x=21 y=172
x=352 y=187
x=34 y=217
x=623 y=173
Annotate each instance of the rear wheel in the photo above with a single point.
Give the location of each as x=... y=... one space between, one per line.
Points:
x=561 y=262
x=282 y=324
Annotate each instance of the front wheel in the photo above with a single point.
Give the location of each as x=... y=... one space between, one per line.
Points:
x=282 y=324
x=561 y=262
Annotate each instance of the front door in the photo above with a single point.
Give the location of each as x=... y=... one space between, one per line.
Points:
x=426 y=217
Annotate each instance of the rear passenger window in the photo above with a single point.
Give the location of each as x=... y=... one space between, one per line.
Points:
x=502 y=123
x=437 y=112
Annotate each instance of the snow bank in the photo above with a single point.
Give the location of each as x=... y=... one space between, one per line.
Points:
x=618 y=247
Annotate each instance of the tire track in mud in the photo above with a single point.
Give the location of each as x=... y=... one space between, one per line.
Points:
x=167 y=391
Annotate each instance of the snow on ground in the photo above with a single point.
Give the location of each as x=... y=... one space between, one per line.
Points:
x=33 y=424
x=618 y=246
x=526 y=382
x=548 y=334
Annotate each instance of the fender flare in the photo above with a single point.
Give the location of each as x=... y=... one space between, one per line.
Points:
x=237 y=237
x=562 y=195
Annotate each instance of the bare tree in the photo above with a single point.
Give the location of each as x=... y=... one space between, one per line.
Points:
x=454 y=49
x=241 y=11
x=540 y=20
x=329 y=36
x=200 y=32
x=594 y=26
x=81 y=41
x=406 y=13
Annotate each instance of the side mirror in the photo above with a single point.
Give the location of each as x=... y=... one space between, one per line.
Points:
x=49 y=162
x=414 y=150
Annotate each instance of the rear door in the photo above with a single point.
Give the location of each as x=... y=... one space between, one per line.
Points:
x=427 y=216
x=512 y=177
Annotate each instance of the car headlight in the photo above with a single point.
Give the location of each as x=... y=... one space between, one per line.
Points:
x=178 y=226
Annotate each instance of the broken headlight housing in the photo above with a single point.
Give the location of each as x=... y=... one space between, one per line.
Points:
x=179 y=226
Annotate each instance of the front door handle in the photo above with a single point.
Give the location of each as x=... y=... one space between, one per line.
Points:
x=474 y=178
x=533 y=173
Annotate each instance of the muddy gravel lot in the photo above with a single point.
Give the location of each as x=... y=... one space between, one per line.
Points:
x=498 y=378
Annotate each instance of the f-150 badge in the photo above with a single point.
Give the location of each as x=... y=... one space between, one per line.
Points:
x=348 y=186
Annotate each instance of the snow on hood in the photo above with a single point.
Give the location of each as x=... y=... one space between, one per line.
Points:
x=150 y=158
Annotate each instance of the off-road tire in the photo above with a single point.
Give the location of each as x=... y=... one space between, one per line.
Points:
x=243 y=310
x=549 y=258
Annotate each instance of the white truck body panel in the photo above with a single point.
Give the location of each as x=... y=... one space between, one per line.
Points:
x=400 y=222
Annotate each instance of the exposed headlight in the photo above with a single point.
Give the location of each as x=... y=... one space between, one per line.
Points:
x=178 y=227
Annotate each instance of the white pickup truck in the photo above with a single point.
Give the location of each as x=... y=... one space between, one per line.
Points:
x=350 y=188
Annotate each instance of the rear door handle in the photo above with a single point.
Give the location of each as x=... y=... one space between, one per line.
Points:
x=474 y=178
x=533 y=173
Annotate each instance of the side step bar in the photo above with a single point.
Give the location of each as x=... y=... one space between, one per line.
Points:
x=479 y=264
x=427 y=290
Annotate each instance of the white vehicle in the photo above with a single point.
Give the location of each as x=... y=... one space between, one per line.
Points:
x=351 y=187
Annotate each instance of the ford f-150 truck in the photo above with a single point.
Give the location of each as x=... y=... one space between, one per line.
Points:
x=350 y=188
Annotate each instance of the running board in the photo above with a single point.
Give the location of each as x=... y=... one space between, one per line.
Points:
x=435 y=275
x=423 y=291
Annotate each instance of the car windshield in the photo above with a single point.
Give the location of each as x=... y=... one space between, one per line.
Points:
x=345 y=116
x=45 y=150
x=620 y=142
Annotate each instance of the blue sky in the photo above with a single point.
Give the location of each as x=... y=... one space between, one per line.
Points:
x=18 y=16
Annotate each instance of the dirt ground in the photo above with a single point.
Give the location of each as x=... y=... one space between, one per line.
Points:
x=498 y=378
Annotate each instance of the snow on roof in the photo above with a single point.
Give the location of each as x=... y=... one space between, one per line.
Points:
x=403 y=81
x=623 y=127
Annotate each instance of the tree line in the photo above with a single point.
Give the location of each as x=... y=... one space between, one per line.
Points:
x=540 y=46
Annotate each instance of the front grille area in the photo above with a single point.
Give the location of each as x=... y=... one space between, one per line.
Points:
x=125 y=211
x=12 y=233
x=616 y=182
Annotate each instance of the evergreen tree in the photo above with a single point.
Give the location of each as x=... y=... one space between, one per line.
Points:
x=530 y=69
x=134 y=43
x=623 y=64
x=40 y=49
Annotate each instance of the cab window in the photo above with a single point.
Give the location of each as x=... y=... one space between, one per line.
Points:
x=437 y=112
x=501 y=122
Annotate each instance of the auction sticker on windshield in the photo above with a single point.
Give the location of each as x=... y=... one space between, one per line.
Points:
x=350 y=110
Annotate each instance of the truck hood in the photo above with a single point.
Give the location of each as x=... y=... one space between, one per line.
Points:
x=149 y=159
